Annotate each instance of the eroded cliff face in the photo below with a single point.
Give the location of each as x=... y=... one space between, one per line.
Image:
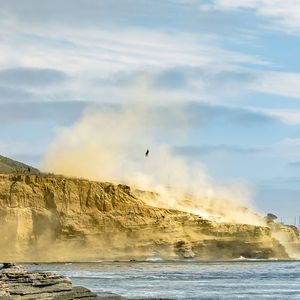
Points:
x=52 y=218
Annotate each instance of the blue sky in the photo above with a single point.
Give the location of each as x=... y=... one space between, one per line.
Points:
x=233 y=64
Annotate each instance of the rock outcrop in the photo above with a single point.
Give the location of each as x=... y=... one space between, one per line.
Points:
x=53 y=218
x=17 y=283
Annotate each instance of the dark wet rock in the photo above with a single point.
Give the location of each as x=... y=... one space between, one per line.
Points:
x=109 y=296
x=76 y=293
x=17 y=283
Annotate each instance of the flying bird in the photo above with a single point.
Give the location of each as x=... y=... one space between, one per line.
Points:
x=147 y=153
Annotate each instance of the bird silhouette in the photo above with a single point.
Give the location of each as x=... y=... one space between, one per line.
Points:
x=147 y=153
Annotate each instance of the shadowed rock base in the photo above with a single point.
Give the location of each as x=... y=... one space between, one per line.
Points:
x=17 y=283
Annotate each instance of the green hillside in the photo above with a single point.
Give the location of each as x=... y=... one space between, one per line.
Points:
x=10 y=165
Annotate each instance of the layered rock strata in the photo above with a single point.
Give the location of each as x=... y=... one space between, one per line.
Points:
x=17 y=283
x=53 y=218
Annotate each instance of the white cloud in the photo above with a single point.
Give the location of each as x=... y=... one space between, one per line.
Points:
x=87 y=55
x=290 y=117
x=287 y=116
x=113 y=49
x=278 y=83
x=284 y=13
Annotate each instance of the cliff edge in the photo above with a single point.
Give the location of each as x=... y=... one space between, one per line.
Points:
x=53 y=218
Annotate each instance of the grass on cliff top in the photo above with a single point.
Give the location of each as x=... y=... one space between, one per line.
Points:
x=10 y=165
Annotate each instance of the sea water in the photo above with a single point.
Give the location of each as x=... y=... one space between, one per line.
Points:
x=242 y=279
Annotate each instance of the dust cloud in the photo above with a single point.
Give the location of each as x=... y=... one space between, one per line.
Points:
x=109 y=143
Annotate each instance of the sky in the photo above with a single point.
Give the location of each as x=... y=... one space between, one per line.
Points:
x=233 y=64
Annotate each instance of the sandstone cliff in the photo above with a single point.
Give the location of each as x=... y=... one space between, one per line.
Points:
x=53 y=218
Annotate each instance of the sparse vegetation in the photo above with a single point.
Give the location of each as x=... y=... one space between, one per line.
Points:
x=10 y=165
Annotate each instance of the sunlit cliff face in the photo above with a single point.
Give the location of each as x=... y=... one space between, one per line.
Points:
x=109 y=144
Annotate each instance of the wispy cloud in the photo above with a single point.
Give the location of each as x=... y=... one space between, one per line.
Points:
x=210 y=57
x=197 y=66
x=287 y=116
x=278 y=83
x=283 y=14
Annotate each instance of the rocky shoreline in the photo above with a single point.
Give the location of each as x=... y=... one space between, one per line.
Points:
x=17 y=283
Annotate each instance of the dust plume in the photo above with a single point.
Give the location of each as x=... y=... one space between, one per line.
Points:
x=109 y=144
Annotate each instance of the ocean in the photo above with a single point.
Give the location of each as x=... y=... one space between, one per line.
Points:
x=241 y=279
